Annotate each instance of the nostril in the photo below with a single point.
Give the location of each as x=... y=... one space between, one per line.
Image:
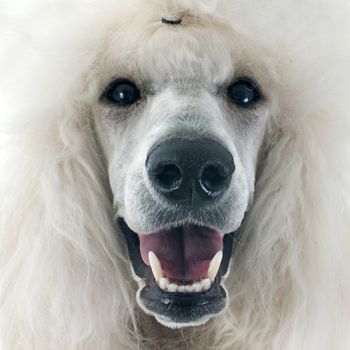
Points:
x=215 y=178
x=168 y=176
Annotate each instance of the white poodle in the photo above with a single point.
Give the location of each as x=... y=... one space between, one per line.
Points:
x=174 y=174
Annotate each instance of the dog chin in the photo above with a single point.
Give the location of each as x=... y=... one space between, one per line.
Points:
x=180 y=272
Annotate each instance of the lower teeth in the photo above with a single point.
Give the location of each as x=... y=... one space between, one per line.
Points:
x=196 y=287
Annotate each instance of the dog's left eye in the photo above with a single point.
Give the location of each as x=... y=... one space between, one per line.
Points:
x=243 y=92
x=122 y=92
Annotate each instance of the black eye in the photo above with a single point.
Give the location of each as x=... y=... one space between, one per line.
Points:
x=122 y=92
x=243 y=92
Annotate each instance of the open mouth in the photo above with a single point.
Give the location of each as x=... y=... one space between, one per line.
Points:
x=180 y=272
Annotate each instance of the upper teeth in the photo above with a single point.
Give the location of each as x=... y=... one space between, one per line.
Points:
x=155 y=266
x=215 y=265
x=197 y=286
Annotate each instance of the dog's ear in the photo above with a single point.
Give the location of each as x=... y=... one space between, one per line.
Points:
x=297 y=231
x=60 y=258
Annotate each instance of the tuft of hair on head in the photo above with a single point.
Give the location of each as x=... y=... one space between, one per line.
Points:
x=172 y=20
x=175 y=10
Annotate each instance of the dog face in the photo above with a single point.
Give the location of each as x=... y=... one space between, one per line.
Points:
x=181 y=118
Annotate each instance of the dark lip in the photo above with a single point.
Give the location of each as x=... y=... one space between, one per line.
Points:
x=184 y=308
x=177 y=307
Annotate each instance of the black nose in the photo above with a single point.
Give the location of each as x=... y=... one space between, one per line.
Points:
x=190 y=170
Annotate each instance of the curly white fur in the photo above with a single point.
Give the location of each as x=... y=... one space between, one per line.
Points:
x=64 y=275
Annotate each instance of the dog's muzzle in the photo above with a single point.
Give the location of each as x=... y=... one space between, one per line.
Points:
x=180 y=267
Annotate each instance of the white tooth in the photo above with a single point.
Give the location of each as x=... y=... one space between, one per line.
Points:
x=155 y=266
x=181 y=289
x=172 y=287
x=163 y=283
x=206 y=283
x=189 y=289
x=214 y=265
x=197 y=287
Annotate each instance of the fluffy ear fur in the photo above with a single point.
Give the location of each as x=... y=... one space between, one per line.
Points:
x=64 y=276
x=291 y=277
x=62 y=266
x=64 y=280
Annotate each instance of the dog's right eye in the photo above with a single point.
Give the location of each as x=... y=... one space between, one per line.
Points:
x=122 y=92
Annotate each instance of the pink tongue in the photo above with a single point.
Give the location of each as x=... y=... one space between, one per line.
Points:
x=184 y=252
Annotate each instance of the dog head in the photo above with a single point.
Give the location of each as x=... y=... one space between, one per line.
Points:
x=220 y=124
x=181 y=120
